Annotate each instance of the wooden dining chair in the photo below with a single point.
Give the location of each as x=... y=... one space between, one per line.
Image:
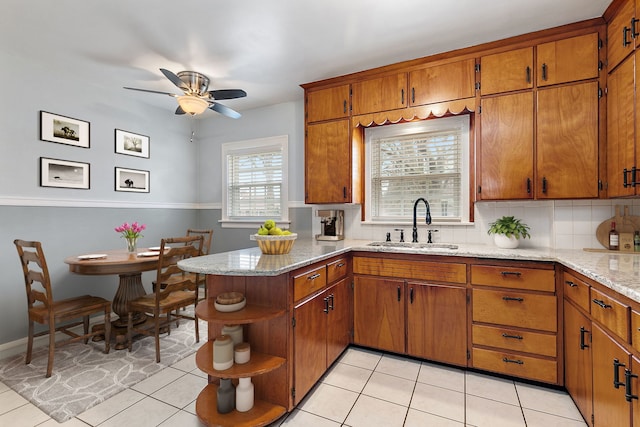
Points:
x=42 y=307
x=206 y=250
x=178 y=289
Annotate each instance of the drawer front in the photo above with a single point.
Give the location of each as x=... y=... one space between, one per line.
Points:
x=531 y=279
x=611 y=313
x=309 y=282
x=336 y=270
x=515 y=340
x=635 y=329
x=577 y=291
x=419 y=270
x=519 y=309
x=529 y=367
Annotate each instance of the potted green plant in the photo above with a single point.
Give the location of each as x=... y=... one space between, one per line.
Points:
x=507 y=232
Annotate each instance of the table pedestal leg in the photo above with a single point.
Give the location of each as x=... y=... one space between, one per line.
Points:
x=129 y=288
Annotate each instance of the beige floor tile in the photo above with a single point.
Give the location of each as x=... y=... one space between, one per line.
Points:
x=367 y=359
x=182 y=419
x=182 y=391
x=371 y=412
x=110 y=407
x=399 y=366
x=157 y=381
x=489 y=387
x=299 y=418
x=347 y=376
x=438 y=401
x=442 y=376
x=148 y=412
x=188 y=364
x=541 y=419
x=10 y=400
x=73 y=422
x=421 y=419
x=23 y=416
x=390 y=388
x=552 y=402
x=329 y=402
x=491 y=413
x=3 y=387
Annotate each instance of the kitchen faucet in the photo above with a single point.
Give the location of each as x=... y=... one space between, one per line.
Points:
x=427 y=219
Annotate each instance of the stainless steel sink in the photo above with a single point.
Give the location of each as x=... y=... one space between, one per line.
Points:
x=414 y=245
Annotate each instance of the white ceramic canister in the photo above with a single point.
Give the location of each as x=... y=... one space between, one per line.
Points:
x=234 y=331
x=242 y=353
x=222 y=352
x=244 y=395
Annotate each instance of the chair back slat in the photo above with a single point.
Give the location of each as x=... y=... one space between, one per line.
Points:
x=207 y=236
x=170 y=277
x=31 y=255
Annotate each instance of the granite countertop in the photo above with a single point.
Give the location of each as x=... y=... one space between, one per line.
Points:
x=617 y=271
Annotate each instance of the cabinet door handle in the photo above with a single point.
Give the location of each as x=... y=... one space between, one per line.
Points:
x=344 y=192
x=402 y=97
x=331 y=301
x=313 y=276
x=528 y=185
x=616 y=373
x=411 y=295
x=625 y=42
x=517 y=361
x=601 y=303
x=544 y=185
x=528 y=74
x=625 y=184
x=570 y=283
x=634 y=181
x=634 y=27
x=344 y=106
x=627 y=385
x=511 y=273
x=413 y=95
x=544 y=72
x=326 y=305
x=515 y=337
x=513 y=299
x=399 y=293
x=582 y=332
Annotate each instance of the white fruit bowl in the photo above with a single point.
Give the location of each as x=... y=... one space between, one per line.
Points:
x=275 y=245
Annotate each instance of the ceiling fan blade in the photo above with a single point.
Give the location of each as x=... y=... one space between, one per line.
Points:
x=175 y=79
x=225 y=111
x=152 y=91
x=180 y=111
x=227 y=94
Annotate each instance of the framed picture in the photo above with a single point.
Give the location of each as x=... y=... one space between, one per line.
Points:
x=132 y=180
x=64 y=130
x=132 y=144
x=64 y=174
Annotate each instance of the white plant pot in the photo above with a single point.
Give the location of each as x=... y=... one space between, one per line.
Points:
x=505 y=242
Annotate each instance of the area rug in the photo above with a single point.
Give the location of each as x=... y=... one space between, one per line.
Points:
x=84 y=376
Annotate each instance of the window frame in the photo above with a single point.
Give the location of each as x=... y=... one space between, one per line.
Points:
x=255 y=146
x=415 y=127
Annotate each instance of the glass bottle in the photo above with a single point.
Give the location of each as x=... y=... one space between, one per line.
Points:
x=636 y=242
x=244 y=395
x=614 y=238
x=226 y=396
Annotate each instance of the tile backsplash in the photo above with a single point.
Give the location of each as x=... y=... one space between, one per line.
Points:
x=560 y=224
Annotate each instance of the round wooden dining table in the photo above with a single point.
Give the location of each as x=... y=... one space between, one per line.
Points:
x=129 y=267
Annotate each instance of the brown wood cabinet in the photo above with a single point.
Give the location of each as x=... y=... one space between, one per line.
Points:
x=506 y=71
x=379 y=94
x=441 y=83
x=621 y=41
x=567 y=60
x=578 y=367
x=328 y=104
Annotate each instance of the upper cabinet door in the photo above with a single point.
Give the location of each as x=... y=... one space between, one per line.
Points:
x=507 y=71
x=381 y=94
x=327 y=104
x=619 y=34
x=442 y=83
x=567 y=60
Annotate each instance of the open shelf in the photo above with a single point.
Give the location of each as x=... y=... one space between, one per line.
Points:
x=206 y=310
x=259 y=363
x=262 y=413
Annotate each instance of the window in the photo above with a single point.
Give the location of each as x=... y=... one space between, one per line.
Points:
x=254 y=174
x=419 y=159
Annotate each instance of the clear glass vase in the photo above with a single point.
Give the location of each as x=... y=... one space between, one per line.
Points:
x=132 y=244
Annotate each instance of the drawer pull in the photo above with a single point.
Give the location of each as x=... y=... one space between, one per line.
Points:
x=511 y=273
x=570 y=283
x=601 y=303
x=513 y=299
x=517 y=337
x=507 y=360
x=627 y=385
x=616 y=373
x=340 y=265
x=313 y=276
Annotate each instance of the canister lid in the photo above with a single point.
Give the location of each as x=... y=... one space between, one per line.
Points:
x=241 y=347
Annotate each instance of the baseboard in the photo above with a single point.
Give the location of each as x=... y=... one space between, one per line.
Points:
x=19 y=346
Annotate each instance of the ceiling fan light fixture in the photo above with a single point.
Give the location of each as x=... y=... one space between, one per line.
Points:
x=192 y=104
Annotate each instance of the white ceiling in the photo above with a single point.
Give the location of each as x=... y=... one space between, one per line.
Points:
x=266 y=47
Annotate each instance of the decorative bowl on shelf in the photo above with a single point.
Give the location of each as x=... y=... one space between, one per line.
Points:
x=275 y=244
x=230 y=301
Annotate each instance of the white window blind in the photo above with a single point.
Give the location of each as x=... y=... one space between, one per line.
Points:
x=255 y=180
x=426 y=162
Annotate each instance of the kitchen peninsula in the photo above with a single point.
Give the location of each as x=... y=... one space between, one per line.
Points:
x=303 y=307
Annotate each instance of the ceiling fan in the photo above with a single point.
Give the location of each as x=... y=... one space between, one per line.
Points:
x=196 y=98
